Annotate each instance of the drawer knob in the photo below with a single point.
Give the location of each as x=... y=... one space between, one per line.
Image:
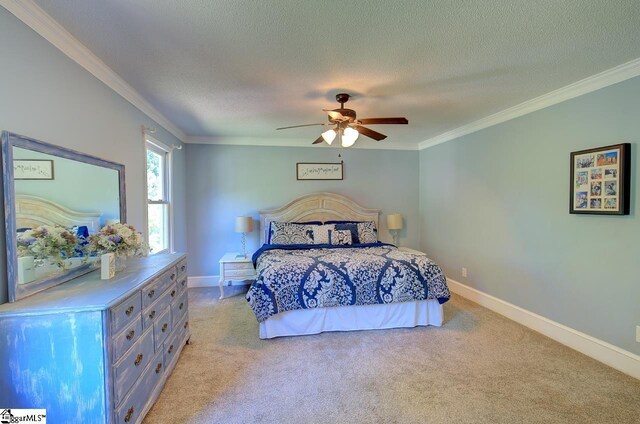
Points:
x=131 y=334
x=173 y=276
x=138 y=359
x=129 y=415
x=164 y=327
x=129 y=310
x=173 y=293
x=152 y=314
x=151 y=293
x=183 y=267
x=170 y=349
x=181 y=305
x=185 y=324
x=158 y=367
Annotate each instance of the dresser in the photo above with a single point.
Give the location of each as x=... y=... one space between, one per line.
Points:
x=96 y=351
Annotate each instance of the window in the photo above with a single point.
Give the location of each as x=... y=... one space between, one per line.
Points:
x=158 y=196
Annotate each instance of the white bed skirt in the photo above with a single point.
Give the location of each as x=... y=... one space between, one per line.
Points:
x=348 y=318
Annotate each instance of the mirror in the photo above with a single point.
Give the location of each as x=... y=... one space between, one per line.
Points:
x=54 y=198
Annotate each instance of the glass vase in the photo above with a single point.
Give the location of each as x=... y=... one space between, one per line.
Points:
x=121 y=262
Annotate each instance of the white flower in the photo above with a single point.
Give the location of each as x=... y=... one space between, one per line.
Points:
x=124 y=232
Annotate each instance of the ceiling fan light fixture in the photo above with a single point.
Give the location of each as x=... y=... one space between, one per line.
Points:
x=329 y=136
x=349 y=137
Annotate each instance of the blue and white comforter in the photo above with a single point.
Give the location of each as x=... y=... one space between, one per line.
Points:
x=302 y=278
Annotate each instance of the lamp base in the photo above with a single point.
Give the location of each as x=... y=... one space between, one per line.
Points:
x=394 y=234
x=244 y=245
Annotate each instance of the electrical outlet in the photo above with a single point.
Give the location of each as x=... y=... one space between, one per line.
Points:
x=464 y=272
x=638 y=333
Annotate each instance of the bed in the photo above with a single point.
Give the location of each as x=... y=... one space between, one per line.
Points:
x=304 y=288
x=33 y=211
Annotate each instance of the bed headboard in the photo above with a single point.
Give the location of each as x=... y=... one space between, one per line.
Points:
x=32 y=211
x=317 y=207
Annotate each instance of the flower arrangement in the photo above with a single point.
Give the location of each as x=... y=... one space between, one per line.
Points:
x=121 y=239
x=52 y=243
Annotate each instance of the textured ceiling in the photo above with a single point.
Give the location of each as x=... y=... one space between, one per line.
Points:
x=241 y=68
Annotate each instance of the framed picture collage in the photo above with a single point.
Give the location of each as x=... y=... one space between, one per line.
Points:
x=600 y=180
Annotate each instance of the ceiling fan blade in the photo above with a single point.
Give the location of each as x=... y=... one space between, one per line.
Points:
x=370 y=133
x=318 y=140
x=373 y=121
x=334 y=115
x=298 y=126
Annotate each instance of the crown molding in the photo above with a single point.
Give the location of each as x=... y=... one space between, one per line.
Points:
x=294 y=142
x=595 y=82
x=43 y=24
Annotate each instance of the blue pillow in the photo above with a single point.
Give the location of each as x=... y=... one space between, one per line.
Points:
x=351 y=226
x=270 y=233
x=82 y=231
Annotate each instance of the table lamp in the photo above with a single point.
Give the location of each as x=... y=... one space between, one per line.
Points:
x=244 y=225
x=394 y=224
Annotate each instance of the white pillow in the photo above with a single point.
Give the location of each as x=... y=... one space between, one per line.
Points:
x=321 y=233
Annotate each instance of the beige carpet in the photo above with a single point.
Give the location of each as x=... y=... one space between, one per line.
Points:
x=478 y=368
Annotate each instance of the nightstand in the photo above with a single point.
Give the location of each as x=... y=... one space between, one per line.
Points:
x=235 y=267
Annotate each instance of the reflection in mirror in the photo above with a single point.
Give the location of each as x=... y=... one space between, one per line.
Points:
x=55 y=200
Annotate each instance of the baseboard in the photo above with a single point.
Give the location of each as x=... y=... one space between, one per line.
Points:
x=210 y=281
x=615 y=357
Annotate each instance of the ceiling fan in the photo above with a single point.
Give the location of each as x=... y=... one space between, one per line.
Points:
x=347 y=127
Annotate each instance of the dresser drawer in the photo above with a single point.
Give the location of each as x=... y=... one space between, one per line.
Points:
x=129 y=368
x=179 y=307
x=230 y=266
x=153 y=312
x=172 y=346
x=126 y=338
x=131 y=407
x=182 y=267
x=153 y=291
x=161 y=329
x=182 y=283
x=247 y=274
x=125 y=313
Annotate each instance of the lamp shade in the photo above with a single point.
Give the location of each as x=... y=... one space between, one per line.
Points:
x=244 y=224
x=394 y=221
x=349 y=137
x=328 y=136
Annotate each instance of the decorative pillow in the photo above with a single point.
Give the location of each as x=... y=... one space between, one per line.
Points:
x=321 y=233
x=340 y=237
x=351 y=226
x=290 y=233
x=272 y=223
x=367 y=232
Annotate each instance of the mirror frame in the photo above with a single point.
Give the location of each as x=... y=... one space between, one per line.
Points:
x=10 y=140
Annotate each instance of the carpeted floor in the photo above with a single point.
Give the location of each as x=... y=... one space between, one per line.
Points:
x=478 y=368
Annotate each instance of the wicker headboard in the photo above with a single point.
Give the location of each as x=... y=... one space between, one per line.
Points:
x=32 y=211
x=317 y=207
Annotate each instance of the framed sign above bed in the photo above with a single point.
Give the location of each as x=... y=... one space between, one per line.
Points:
x=319 y=171
x=34 y=169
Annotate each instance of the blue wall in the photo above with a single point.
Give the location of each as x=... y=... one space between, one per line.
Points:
x=228 y=181
x=47 y=96
x=496 y=201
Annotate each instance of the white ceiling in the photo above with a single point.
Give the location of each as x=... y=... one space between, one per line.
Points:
x=225 y=70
